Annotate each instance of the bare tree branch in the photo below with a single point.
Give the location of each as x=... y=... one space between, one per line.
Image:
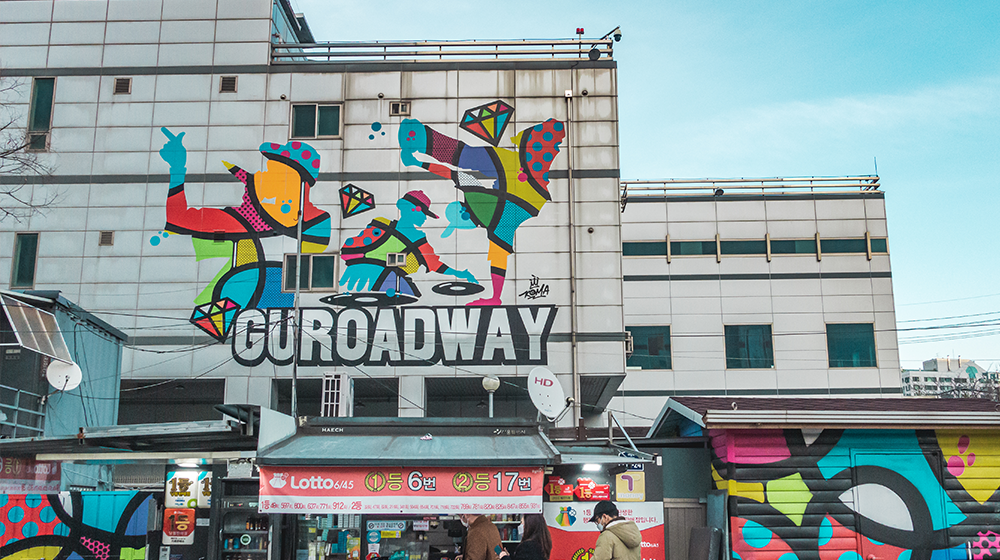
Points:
x=20 y=169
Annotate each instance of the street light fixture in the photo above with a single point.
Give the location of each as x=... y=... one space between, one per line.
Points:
x=491 y=384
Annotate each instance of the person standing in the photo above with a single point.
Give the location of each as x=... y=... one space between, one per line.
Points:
x=620 y=538
x=536 y=542
x=483 y=539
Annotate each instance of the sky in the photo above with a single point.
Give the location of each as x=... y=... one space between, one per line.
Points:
x=790 y=89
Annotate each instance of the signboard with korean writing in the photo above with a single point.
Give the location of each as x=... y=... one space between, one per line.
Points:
x=573 y=536
x=400 y=490
x=25 y=476
x=178 y=526
x=189 y=489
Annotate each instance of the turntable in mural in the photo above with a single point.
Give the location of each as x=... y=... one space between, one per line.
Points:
x=380 y=259
x=514 y=184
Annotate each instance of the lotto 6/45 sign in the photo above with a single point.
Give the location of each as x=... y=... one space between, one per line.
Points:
x=400 y=490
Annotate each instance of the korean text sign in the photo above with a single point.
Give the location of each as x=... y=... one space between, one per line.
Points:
x=400 y=490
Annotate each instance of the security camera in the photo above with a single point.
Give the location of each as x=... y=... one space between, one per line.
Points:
x=617 y=34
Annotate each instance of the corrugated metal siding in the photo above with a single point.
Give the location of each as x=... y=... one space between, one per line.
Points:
x=937 y=489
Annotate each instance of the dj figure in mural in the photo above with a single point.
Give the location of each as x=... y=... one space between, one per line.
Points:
x=366 y=254
x=516 y=187
x=270 y=208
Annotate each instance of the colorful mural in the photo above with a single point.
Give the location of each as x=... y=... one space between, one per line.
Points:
x=366 y=254
x=77 y=526
x=514 y=187
x=849 y=494
x=248 y=300
x=269 y=208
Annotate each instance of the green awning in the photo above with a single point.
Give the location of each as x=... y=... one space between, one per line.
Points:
x=413 y=442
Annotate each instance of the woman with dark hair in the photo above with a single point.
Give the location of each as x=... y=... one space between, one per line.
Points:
x=536 y=543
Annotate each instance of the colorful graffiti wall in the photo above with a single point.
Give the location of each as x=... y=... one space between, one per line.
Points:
x=390 y=262
x=871 y=494
x=74 y=526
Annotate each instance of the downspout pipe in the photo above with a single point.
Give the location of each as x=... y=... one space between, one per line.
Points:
x=574 y=357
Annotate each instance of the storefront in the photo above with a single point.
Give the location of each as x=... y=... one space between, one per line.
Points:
x=352 y=488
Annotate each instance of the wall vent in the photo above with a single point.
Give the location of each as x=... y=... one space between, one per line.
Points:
x=107 y=239
x=123 y=86
x=399 y=109
x=227 y=84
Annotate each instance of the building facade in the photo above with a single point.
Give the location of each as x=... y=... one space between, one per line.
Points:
x=949 y=377
x=441 y=239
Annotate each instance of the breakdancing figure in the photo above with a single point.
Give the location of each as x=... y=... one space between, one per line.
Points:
x=519 y=185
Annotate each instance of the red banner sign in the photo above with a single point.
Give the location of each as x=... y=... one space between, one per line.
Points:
x=25 y=476
x=574 y=537
x=400 y=490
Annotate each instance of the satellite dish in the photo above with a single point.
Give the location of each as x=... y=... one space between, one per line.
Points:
x=546 y=392
x=64 y=376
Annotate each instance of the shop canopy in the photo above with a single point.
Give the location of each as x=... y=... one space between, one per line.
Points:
x=494 y=442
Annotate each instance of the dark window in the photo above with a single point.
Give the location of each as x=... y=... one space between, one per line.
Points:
x=644 y=248
x=748 y=247
x=692 y=248
x=851 y=345
x=318 y=273
x=880 y=245
x=41 y=104
x=793 y=247
x=40 y=114
x=312 y=121
x=25 y=254
x=843 y=246
x=180 y=400
x=650 y=347
x=749 y=346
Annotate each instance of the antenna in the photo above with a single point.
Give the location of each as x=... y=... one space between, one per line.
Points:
x=875 y=159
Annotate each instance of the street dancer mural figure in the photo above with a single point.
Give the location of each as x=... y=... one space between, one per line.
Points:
x=270 y=208
x=515 y=190
x=366 y=253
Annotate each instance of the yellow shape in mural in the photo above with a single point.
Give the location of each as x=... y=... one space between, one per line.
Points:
x=720 y=483
x=35 y=553
x=790 y=496
x=133 y=553
x=750 y=490
x=972 y=457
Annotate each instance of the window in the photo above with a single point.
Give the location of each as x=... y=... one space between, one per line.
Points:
x=40 y=114
x=843 y=245
x=227 y=84
x=644 y=248
x=749 y=346
x=880 y=245
x=25 y=253
x=692 y=248
x=123 y=86
x=851 y=345
x=399 y=109
x=793 y=246
x=747 y=247
x=318 y=273
x=650 y=347
x=395 y=259
x=315 y=121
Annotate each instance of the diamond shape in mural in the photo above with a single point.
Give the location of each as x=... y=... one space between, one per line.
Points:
x=488 y=121
x=216 y=317
x=355 y=200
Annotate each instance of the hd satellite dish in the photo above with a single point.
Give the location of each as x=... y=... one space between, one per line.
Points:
x=546 y=392
x=64 y=376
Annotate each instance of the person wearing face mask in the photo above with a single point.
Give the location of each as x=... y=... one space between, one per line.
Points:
x=482 y=542
x=620 y=538
x=536 y=543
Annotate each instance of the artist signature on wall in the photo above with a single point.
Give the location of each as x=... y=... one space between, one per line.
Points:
x=536 y=289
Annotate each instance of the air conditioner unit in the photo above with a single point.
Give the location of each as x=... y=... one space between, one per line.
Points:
x=629 y=344
x=338 y=395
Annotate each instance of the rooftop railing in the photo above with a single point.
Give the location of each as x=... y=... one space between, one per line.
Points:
x=450 y=51
x=770 y=185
